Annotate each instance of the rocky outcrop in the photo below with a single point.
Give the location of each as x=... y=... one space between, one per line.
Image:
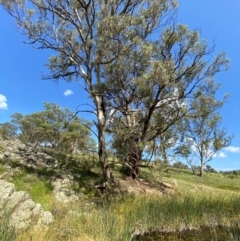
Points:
x=21 y=209
x=26 y=154
x=62 y=189
x=34 y=157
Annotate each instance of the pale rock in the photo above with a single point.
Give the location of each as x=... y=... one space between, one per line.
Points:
x=45 y=218
x=16 y=198
x=166 y=185
x=28 y=204
x=6 y=154
x=21 y=219
x=175 y=182
x=6 y=190
x=62 y=190
x=22 y=209
x=21 y=147
x=37 y=210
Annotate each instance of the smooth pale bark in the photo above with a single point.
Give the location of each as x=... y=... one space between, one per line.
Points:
x=201 y=170
x=101 y=138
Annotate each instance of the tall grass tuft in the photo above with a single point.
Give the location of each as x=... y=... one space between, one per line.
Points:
x=135 y=215
x=6 y=232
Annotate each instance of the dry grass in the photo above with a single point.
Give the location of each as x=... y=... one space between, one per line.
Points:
x=196 y=203
x=122 y=220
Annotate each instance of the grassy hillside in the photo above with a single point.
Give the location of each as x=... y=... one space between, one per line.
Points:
x=229 y=182
x=209 y=202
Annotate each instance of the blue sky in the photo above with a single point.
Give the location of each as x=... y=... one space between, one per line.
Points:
x=22 y=90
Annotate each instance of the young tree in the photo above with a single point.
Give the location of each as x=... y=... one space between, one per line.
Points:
x=8 y=130
x=75 y=137
x=204 y=136
x=86 y=36
x=27 y=126
x=210 y=169
x=56 y=127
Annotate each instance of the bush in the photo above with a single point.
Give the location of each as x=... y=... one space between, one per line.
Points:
x=180 y=165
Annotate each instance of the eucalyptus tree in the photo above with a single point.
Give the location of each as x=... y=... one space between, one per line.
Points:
x=8 y=130
x=55 y=127
x=150 y=88
x=52 y=125
x=204 y=135
x=76 y=136
x=85 y=36
x=40 y=127
x=27 y=126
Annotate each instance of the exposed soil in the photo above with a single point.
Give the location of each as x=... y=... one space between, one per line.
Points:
x=141 y=186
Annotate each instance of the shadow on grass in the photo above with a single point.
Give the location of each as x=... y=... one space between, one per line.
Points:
x=84 y=169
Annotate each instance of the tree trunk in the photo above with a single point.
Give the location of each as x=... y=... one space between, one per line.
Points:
x=102 y=155
x=101 y=139
x=201 y=169
x=135 y=158
x=74 y=147
x=134 y=166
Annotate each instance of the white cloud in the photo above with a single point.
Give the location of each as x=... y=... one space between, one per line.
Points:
x=3 y=102
x=221 y=155
x=68 y=92
x=233 y=149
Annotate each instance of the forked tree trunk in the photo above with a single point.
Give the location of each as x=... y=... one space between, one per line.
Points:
x=135 y=158
x=134 y=166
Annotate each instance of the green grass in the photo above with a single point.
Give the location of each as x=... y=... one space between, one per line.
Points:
x=124 y=220
x=210 y=179
x=2 y=148
x=2 y=169
x=210 y=201
x=6 y=233
x=39 y=189
x=188 y=180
